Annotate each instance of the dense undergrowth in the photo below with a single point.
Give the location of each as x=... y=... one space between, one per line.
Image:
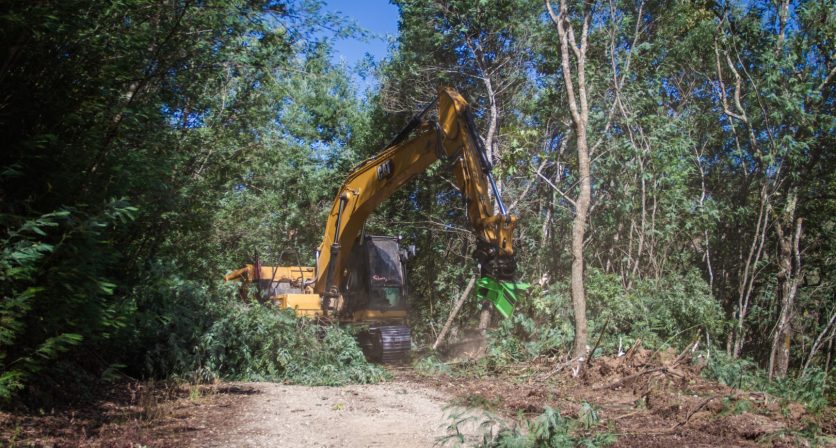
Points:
x=207 y=334
x=670 y=312
x=548 y=430
x=674 y=313
x=812 y=388
x=260 y=342
x=178 y=328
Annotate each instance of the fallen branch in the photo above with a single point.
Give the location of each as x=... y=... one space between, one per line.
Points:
x=697 y=409
x=597 y=342
x=454 y=312
x=629 y=378
x=690 y=347
x=558 y=368
x=629 y=414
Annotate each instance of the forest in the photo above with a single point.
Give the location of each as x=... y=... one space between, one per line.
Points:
x=671 y=164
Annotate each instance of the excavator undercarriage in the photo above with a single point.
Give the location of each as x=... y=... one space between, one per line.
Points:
x=386 y=343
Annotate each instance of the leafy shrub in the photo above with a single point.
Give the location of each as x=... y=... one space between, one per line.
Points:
x=548 y=430
x=670 y=309
x=260 y=342
x=522 y=337
x=171 y=315
x=57 y=291
x=810 y=389
x=539 y=326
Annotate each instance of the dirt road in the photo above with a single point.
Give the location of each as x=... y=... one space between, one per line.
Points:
x=394 y=414
x=643 y=401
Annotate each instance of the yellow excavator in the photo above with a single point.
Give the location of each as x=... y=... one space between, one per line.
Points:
x=360 y=278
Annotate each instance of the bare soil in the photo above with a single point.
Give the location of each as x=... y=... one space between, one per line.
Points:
x=646 y=399
x=399 y=413
x=395 y=414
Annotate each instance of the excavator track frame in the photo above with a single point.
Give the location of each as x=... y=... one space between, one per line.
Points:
x=386 y=344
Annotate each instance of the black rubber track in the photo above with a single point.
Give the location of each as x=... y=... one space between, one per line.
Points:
x=386 y=343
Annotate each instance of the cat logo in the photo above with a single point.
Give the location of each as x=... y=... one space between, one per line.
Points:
x=385 y=170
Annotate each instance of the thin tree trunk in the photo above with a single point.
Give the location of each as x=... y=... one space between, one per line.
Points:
x=492 y=144
x=485 y=317
x=818 y=342
x=789 y=277
x=750 y=273
x=579 y=109
x=578 y=233
x=454 y=312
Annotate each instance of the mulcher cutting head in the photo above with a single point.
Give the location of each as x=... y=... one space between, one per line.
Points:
x=502 y=294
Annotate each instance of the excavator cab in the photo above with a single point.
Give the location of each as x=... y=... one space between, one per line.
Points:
x=377 y=281
x=376 y=296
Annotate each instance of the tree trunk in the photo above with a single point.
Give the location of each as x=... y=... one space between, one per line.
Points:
x=789 y=277
x=485 y=317
x=492 y=148
x=454 y=313
x=579 y=109
x=818 y=342
x=578 y=233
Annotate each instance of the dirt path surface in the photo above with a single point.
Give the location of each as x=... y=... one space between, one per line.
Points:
x=642 y=400
x=395 y=414
x=399 y=413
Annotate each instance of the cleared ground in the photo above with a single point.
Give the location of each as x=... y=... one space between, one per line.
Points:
x=644 y=399
x=399 y=413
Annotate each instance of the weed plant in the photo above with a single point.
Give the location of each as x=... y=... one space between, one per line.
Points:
x=548 y=430
x=812 y=389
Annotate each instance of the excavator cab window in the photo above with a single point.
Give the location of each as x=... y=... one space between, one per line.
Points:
x=385 y=298
x=385 y=273
x=385 y=268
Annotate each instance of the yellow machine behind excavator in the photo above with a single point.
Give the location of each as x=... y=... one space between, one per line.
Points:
x=361 y=278
x=284 y=286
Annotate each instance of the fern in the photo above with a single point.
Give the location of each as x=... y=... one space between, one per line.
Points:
x=548 y=430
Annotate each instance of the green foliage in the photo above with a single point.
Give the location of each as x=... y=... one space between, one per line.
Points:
x=671 y=309
x=431 y=366
x=523 y=337
x=52 y=269
x=151 y=146
x=187 y=110
x=184 y=328
x=548 y=430
x=812 y=389
x=259 y=342
x=171 y=315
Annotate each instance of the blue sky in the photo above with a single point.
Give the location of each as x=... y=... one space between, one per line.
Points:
x=379 y=17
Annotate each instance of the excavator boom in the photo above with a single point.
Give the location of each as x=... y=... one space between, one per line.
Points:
x=452 y=139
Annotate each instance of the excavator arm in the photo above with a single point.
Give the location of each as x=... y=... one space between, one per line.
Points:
x=452 y=139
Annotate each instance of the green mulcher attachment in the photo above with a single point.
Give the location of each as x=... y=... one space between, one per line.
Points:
x=502 y=294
